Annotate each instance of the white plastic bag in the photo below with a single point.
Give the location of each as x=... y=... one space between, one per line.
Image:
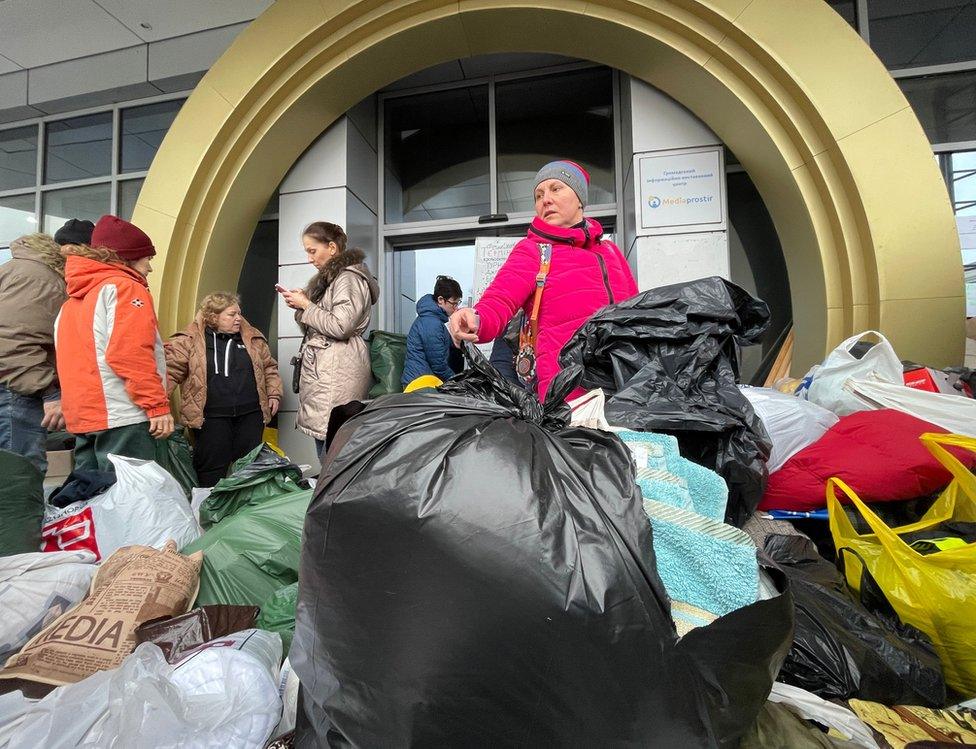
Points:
x=62 y=720
x=288 y=685
x=812 y=707
x=792 y=423
x=223 y=694
x=827 y=387
x=587 y=411
x=198 y=495
x=954 y=413
x=145 y=506
x=37 y=588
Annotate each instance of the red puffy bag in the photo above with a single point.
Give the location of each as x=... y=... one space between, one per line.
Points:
x=877 y=453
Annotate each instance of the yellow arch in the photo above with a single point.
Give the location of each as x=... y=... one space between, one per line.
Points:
x=827 y=137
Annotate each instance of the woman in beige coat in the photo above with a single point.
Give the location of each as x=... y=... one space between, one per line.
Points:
x=333 y=312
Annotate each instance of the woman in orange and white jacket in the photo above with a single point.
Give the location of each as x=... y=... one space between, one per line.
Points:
x=110 y=357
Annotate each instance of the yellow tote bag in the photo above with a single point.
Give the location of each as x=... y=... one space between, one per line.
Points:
x=934 y=592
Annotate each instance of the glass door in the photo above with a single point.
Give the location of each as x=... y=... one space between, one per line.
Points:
x=415 y=268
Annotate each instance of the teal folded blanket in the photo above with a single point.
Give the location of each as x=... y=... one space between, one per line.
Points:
x=708 y=568
x=690 y=485
x=703 y=562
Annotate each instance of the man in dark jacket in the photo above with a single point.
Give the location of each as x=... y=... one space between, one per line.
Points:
x=32 y=291
x=429 y=347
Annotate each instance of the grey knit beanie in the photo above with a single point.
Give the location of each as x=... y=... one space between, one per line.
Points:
x=569 y=172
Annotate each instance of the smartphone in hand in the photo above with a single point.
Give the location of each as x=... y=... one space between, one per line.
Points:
x=280 y=289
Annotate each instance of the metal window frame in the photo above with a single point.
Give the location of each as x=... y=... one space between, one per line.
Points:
x=392 y=237
x=861 y=17
x=114 y=177
x=921 y=71
x=864 y=29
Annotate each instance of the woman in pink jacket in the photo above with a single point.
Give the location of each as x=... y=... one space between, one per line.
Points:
x=585 y=273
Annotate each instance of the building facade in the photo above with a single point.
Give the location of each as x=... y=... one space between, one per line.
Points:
x=720 y=141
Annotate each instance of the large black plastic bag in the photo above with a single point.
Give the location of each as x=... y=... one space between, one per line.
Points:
x=840 y=649
x=475 y=574
x=668 y=361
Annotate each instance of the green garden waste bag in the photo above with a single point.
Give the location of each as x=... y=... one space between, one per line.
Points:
x=278 y=614
x=252 y=553
x=21 y=505
x=260 y=474
x=173 y=454
x=387 y=353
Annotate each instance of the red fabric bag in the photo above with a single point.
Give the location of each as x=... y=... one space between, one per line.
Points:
x=877 y=453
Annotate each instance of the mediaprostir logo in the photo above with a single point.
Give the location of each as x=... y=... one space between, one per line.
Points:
x=655 y=202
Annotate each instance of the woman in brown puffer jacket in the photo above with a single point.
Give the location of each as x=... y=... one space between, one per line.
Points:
x=229 y=384
x=333 y=312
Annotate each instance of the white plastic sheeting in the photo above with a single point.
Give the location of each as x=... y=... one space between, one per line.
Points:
x=954 y=413
x=37 y=588
x=827 y=388
x=792 y=423
x=223 y=694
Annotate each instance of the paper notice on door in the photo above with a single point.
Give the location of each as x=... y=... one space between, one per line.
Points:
x=490 y=253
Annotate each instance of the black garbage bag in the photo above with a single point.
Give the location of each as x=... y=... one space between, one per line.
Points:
x=668 y=361
x=840 y=649
x=474 y=573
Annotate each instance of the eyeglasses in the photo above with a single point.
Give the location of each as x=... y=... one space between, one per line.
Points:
x=454 y=302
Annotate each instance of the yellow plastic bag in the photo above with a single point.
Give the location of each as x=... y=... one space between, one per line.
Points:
x=934 y=592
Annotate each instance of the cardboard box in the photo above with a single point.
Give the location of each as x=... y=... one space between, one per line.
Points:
x=59 y=464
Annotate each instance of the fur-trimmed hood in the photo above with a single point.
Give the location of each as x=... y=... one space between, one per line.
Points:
x=353 y=259
x=39 y=247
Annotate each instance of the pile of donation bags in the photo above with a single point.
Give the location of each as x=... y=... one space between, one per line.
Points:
x=105 y=639
x=891 y=494
x=474 y=567
x=475 y=571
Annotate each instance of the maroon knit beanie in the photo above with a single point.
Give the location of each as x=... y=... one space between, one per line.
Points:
x=127 y=240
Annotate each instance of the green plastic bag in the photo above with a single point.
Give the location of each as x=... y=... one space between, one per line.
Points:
x=260 y=474
x=387 y=354
x=21 y=505
x=252 y=553
x=278 y=614
x=173 y=454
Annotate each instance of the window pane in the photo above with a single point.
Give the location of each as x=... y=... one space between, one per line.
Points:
x=436 y=159
x=416 y=269
x=143 y=129
x=963 y=175
x=16 y=217
x=18 y=157
x=90 y=202
x=846 y=9
x=128 y=195
x=944 y=104
x=909 y=34
x=79 y=148
x=568 y=116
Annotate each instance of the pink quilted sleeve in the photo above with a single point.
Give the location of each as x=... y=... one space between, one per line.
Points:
x=511 y=288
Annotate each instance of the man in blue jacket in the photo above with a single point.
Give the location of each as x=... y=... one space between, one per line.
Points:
x=429 y=347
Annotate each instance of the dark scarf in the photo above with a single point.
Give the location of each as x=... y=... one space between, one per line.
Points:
x=317 y=287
